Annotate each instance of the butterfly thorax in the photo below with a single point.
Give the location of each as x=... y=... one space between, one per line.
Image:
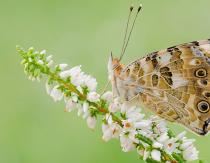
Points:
x=117 y=66
x=114 y=70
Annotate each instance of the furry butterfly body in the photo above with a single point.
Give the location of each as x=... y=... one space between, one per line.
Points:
x=173 y=83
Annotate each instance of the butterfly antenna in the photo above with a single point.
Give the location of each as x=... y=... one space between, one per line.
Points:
x=126 y=29
x=125 y=46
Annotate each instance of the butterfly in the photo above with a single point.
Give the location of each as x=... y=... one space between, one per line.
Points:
x=173 y=83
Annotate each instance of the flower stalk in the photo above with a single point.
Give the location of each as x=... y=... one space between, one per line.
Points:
x=150 y=136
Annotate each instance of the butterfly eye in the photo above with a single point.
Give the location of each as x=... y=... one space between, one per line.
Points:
x=201 y=73
x=203 y=106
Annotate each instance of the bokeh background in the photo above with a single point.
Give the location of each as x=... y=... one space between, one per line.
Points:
x=35 y=129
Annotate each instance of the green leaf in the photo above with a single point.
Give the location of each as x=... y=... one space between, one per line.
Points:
x=178 y=157
x=123 y=115
x=30 y=50
x=37 y=72
x=170 y=133
x=21 y=51
x=23 y=62
x=145 y=139
x=31 y=68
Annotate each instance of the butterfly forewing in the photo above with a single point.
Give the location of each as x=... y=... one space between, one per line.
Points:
x=173 y=83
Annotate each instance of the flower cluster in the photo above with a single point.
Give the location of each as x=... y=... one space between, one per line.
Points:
x=151 y=138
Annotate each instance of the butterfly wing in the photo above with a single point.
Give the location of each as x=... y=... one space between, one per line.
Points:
x=174 y=83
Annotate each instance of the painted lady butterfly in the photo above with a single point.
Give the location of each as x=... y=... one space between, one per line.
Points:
x=173 y=83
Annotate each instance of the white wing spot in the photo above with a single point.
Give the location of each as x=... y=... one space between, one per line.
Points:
x=165 y=58
x=178 y=81
x=194 y=62
x=145 y=68
x=206 y=47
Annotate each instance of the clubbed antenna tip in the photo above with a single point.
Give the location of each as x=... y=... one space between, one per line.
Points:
x=140 y=7
x=131 y=8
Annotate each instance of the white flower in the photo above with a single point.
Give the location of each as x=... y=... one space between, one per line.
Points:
x=93 y=96
x=160 y=126
x=143 y=124
x=43 y=52
x=156 y=155
x=170 y=145
x=70 y=105
x=108 y=96
x=75 y=74
x=56 y=94
x=74 y=71
x=146 y=154
x=190 y=154
x=40 y=62
x=48 y=88
x=85 y=108
x=157 y=145
x=50 y=63
x=64 y=74
x=62 y=66
x=107 y=132
x=77 y=80
x=128 y=140
x=110 y=131
x=79 y=89
x=77 y=77
x=49 y=58
x=131 y=112
x=126 y=143
x=146 y=132
x=116 y=129
x=186 y=143
x=108 y=118
x=140 y=151
x=124 y=108
x=162 y=138
x=74 y=98
x=181 y=135
x=132 y=136
x=127 y=125
x=91 y=83
x=31 y=78
x=113 y=107
x=91 y=122
x=80 y=109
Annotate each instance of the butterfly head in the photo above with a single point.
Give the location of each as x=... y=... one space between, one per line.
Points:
x=114 y=70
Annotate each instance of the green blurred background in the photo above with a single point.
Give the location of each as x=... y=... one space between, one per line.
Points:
x=34 y=129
